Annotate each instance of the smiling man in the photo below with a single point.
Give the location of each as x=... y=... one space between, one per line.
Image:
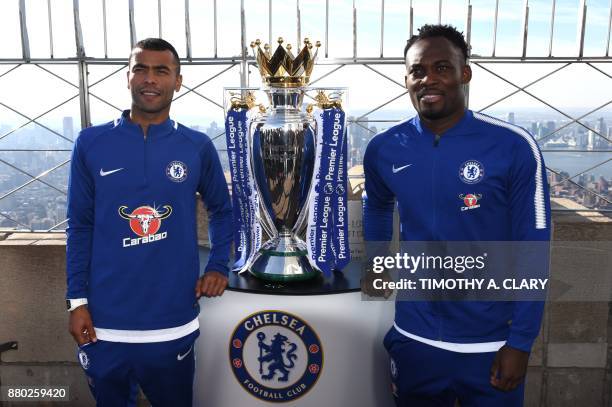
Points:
x=456 y=175
x=133 y=270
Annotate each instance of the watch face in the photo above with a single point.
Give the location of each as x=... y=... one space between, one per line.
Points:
x=68 y=304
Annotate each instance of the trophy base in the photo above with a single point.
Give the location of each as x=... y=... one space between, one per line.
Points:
x=283 y=259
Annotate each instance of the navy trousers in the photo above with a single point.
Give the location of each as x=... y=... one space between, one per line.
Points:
x=164 y=371
x=424 y=376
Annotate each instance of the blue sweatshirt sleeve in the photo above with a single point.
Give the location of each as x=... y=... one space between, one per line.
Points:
x=80 y=215
x=378 y=200
x=213 y=188
x=530 y=219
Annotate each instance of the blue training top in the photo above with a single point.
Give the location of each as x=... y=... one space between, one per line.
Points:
x=132 y=246
x=481 y=160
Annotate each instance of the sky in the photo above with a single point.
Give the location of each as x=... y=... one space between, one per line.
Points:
x=31 y=90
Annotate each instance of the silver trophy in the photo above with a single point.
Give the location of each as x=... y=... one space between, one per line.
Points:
x=282 y=153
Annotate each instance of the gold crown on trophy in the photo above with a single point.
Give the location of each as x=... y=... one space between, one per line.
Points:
x=283 y=69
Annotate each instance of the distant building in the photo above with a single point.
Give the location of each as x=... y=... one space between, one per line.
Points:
x=213 y=130
x=541 y=131
x=591 y=140
x=602 y=185
x=581 y=139
x=602 y=129
x=358 y=136
x=589 y=200
x=510 y=118
x=68 y=126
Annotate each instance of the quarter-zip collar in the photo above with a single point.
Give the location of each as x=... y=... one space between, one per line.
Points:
x=463 y=126
x=154 y=131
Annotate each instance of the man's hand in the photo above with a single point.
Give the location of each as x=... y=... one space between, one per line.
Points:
x=80 y=326
x=211 y=284
x=367 y=283
x=509 y=368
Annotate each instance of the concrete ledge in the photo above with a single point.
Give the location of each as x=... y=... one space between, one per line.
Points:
x=589 y=355
x=575 y=387
x=16 y=242
x=33 y=309
x=533 y=387
x=50 y=242
x=36 y=236
x=578 y=216
x=578 y=322
x=26 y=239
x=536 y=358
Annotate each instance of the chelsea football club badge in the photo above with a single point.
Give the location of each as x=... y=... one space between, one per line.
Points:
x=83 y=359
x=276 y=356
x=471 y=172
x=176 y=171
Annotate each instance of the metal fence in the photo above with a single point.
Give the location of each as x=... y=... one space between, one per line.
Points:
x=34 y=153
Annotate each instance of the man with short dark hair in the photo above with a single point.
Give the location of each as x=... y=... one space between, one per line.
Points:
x=132 y=252
x=444 y=351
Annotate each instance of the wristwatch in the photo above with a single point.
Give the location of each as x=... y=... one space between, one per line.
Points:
x=74 y=303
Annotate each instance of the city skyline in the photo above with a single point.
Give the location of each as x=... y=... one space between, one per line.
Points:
x=542 y=95
x=40 y=206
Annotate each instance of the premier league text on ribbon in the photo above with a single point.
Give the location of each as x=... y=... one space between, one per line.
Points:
x=236 y=124
x=328 y=229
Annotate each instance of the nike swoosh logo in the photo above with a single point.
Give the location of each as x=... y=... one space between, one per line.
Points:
x=105 y=173
x=398 y=169
x=181 y=357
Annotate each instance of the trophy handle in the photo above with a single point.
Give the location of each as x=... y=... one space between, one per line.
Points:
x=265 y=221
x=302 y=221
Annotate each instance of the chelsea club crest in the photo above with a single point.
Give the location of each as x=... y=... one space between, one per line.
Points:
x=83 y=359
x=176 y=171
x=276 y=356
x=471 y=172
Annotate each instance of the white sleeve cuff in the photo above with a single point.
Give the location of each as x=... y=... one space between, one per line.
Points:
x=74 y=303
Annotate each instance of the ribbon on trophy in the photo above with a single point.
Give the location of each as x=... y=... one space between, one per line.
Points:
x=245 y=200
x=341 y=226
x=327 y=231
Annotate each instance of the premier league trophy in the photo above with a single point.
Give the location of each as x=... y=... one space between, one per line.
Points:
x=289 y=187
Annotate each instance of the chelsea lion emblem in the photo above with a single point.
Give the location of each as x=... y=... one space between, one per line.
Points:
x=83 y=359
x=176 y=171
x=276 y=356
x=471 y=172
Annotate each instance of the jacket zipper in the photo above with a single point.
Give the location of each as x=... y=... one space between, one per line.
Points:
x=145 y=156
x=436 y=144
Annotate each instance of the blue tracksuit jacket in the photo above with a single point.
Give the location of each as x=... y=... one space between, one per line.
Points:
x=132 y=246
x=429 y=176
